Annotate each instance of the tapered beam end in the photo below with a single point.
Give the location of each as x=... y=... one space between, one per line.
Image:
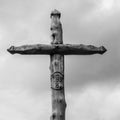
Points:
x=11 y=50
x=102 y=50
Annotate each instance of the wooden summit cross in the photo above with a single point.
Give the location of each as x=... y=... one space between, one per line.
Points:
x=57 y=50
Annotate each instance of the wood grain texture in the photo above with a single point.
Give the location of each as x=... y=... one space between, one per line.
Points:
x=57 y=50
x=57 y=69
x=63 y=49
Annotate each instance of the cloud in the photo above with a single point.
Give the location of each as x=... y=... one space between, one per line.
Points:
x=94 y=103
x=18 y=104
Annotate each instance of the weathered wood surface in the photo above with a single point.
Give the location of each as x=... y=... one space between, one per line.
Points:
x=64 y=49
x=57 y=50
x=57 y=69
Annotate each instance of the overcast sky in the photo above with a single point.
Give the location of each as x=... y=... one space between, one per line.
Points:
x=92 y=83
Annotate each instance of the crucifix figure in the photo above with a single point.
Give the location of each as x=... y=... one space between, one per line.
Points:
x=57 y=50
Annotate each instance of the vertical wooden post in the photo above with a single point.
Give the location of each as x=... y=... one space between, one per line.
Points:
x=57 y=70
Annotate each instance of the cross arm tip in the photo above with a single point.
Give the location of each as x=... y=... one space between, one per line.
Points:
x=102 y=50
x=11 y=50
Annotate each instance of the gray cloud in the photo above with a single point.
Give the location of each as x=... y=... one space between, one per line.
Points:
x=95 y=69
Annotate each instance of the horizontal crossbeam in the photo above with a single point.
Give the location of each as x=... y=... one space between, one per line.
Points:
x=63 y=49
